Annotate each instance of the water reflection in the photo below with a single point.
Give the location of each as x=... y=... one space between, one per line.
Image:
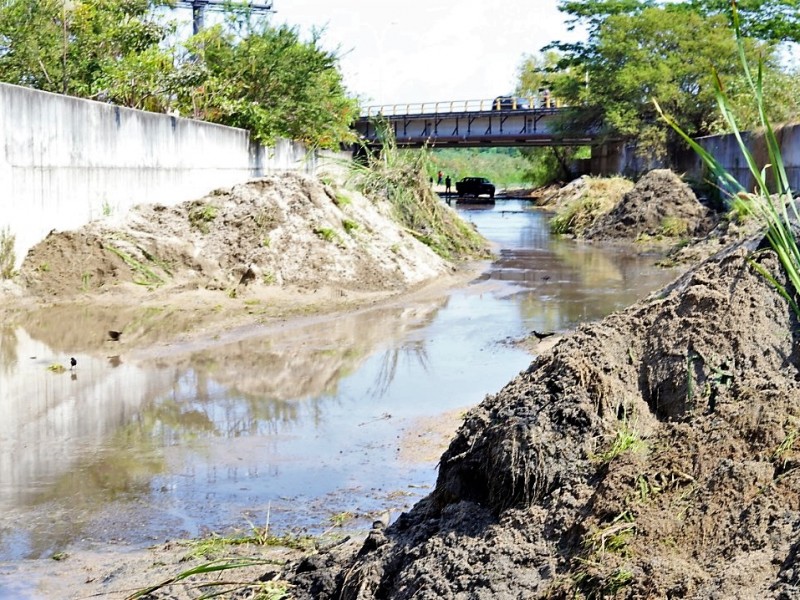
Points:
x=303 y=419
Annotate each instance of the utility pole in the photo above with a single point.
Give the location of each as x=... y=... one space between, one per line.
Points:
x=199 y=8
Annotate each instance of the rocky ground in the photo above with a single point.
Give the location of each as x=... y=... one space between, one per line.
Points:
x=649 y=455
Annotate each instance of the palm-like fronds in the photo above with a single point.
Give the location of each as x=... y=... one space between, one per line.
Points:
x=773 y=206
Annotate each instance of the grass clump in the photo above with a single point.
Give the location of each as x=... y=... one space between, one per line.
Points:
x=626 y=439
x=350 y=226
x=771 y=202
x=202 y=215
x=578 y=215
x=326 y=233
x=400 y=177
x=7 y=255
x=146 y=276
x=673 y=227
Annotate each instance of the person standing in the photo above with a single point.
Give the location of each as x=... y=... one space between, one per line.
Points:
x=447 y=183
x=439 y=180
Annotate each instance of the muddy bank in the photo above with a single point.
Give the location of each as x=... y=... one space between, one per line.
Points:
x=652 y=454
x=283 y=246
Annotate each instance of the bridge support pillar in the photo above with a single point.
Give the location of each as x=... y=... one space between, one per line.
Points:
x=608 y=158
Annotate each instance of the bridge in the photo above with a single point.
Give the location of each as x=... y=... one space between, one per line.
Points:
x=469 y=123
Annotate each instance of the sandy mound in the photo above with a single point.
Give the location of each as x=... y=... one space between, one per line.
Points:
x=584 y=188
x=579 y=204
x=281 y=230
x=650 y=455
x=659 y=205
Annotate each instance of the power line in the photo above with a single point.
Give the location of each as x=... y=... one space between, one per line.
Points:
x=200 y=6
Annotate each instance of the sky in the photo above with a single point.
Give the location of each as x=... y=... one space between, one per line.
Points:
x=412 y=51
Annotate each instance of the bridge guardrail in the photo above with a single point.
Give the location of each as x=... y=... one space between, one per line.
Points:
x=456 y=106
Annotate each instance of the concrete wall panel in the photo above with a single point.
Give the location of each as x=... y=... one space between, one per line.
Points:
x=65 y=161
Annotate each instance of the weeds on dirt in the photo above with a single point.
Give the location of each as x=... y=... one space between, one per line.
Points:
x=150 y=278
x=56 y=368
x=401 y=178
x=200 y=216
x=577 y=216
x=271 y=590
x=327 y=234
x=673 y=227
x=350 y=226
x=7 y=255
x=774 y=210
x=598 y=576
x=626 y=439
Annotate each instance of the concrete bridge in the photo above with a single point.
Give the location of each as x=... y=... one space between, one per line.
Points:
x=469 y=123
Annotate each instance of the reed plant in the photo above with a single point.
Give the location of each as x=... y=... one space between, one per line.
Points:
x=400 y=177
x=771 y=200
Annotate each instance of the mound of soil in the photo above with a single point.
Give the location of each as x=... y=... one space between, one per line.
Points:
x=649 y=455
x=282 y=230
x=659 y=205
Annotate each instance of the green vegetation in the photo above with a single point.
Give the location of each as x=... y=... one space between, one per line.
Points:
x=350 y=226
x=203 y=214
x=772 y=201
x=578 y=215
x=502 y=166
x=242 y=72
x=401 y=177
x=7 y=255
x=271 y=590
x=146 y=277
x=638 y=49
x=326 y=233
x=626 y=439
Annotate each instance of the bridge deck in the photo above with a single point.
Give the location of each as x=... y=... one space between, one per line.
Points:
x=485 y=126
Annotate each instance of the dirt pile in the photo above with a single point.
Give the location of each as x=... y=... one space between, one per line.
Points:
x=579 y=204
x=659 y=205
x=282 y=230
x=650 y=455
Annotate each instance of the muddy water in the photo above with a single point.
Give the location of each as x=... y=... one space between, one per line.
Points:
x=293 y=424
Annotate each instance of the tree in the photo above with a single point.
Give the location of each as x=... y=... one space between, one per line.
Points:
x=267 y=80
x=243 y=73
x=768 y=20
x=640 y=51
x=87 y=48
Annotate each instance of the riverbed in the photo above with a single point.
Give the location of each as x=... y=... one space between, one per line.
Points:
x=305 y=427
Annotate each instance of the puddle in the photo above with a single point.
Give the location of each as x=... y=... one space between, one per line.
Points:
x=293 y=425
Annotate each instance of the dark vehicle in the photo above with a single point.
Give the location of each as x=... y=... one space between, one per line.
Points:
x=475 y=186
x=510 y=103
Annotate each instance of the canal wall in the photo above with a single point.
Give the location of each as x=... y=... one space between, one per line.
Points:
x=65 y=161
x=622 y=158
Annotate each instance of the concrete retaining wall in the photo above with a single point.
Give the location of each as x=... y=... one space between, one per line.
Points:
x=618 y=157
x=726 y=150
x=65 y=161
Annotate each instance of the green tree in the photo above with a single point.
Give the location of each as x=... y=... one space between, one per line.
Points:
x=269 y=81
x=87 y=48
x=638 y=51
x=769 y=20
x=243 y=73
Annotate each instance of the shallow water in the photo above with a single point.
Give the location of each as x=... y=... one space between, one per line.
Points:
x=291 y=425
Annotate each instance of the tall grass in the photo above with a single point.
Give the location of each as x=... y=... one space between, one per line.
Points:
x=7 y=256
x=401 y=178
x=773 y=205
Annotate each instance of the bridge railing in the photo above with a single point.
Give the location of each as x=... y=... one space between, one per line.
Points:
x=456 y=106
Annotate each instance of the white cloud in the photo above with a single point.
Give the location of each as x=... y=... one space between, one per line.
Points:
x=428 y=50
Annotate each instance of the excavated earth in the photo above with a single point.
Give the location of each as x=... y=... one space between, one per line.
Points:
x=652 y=454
